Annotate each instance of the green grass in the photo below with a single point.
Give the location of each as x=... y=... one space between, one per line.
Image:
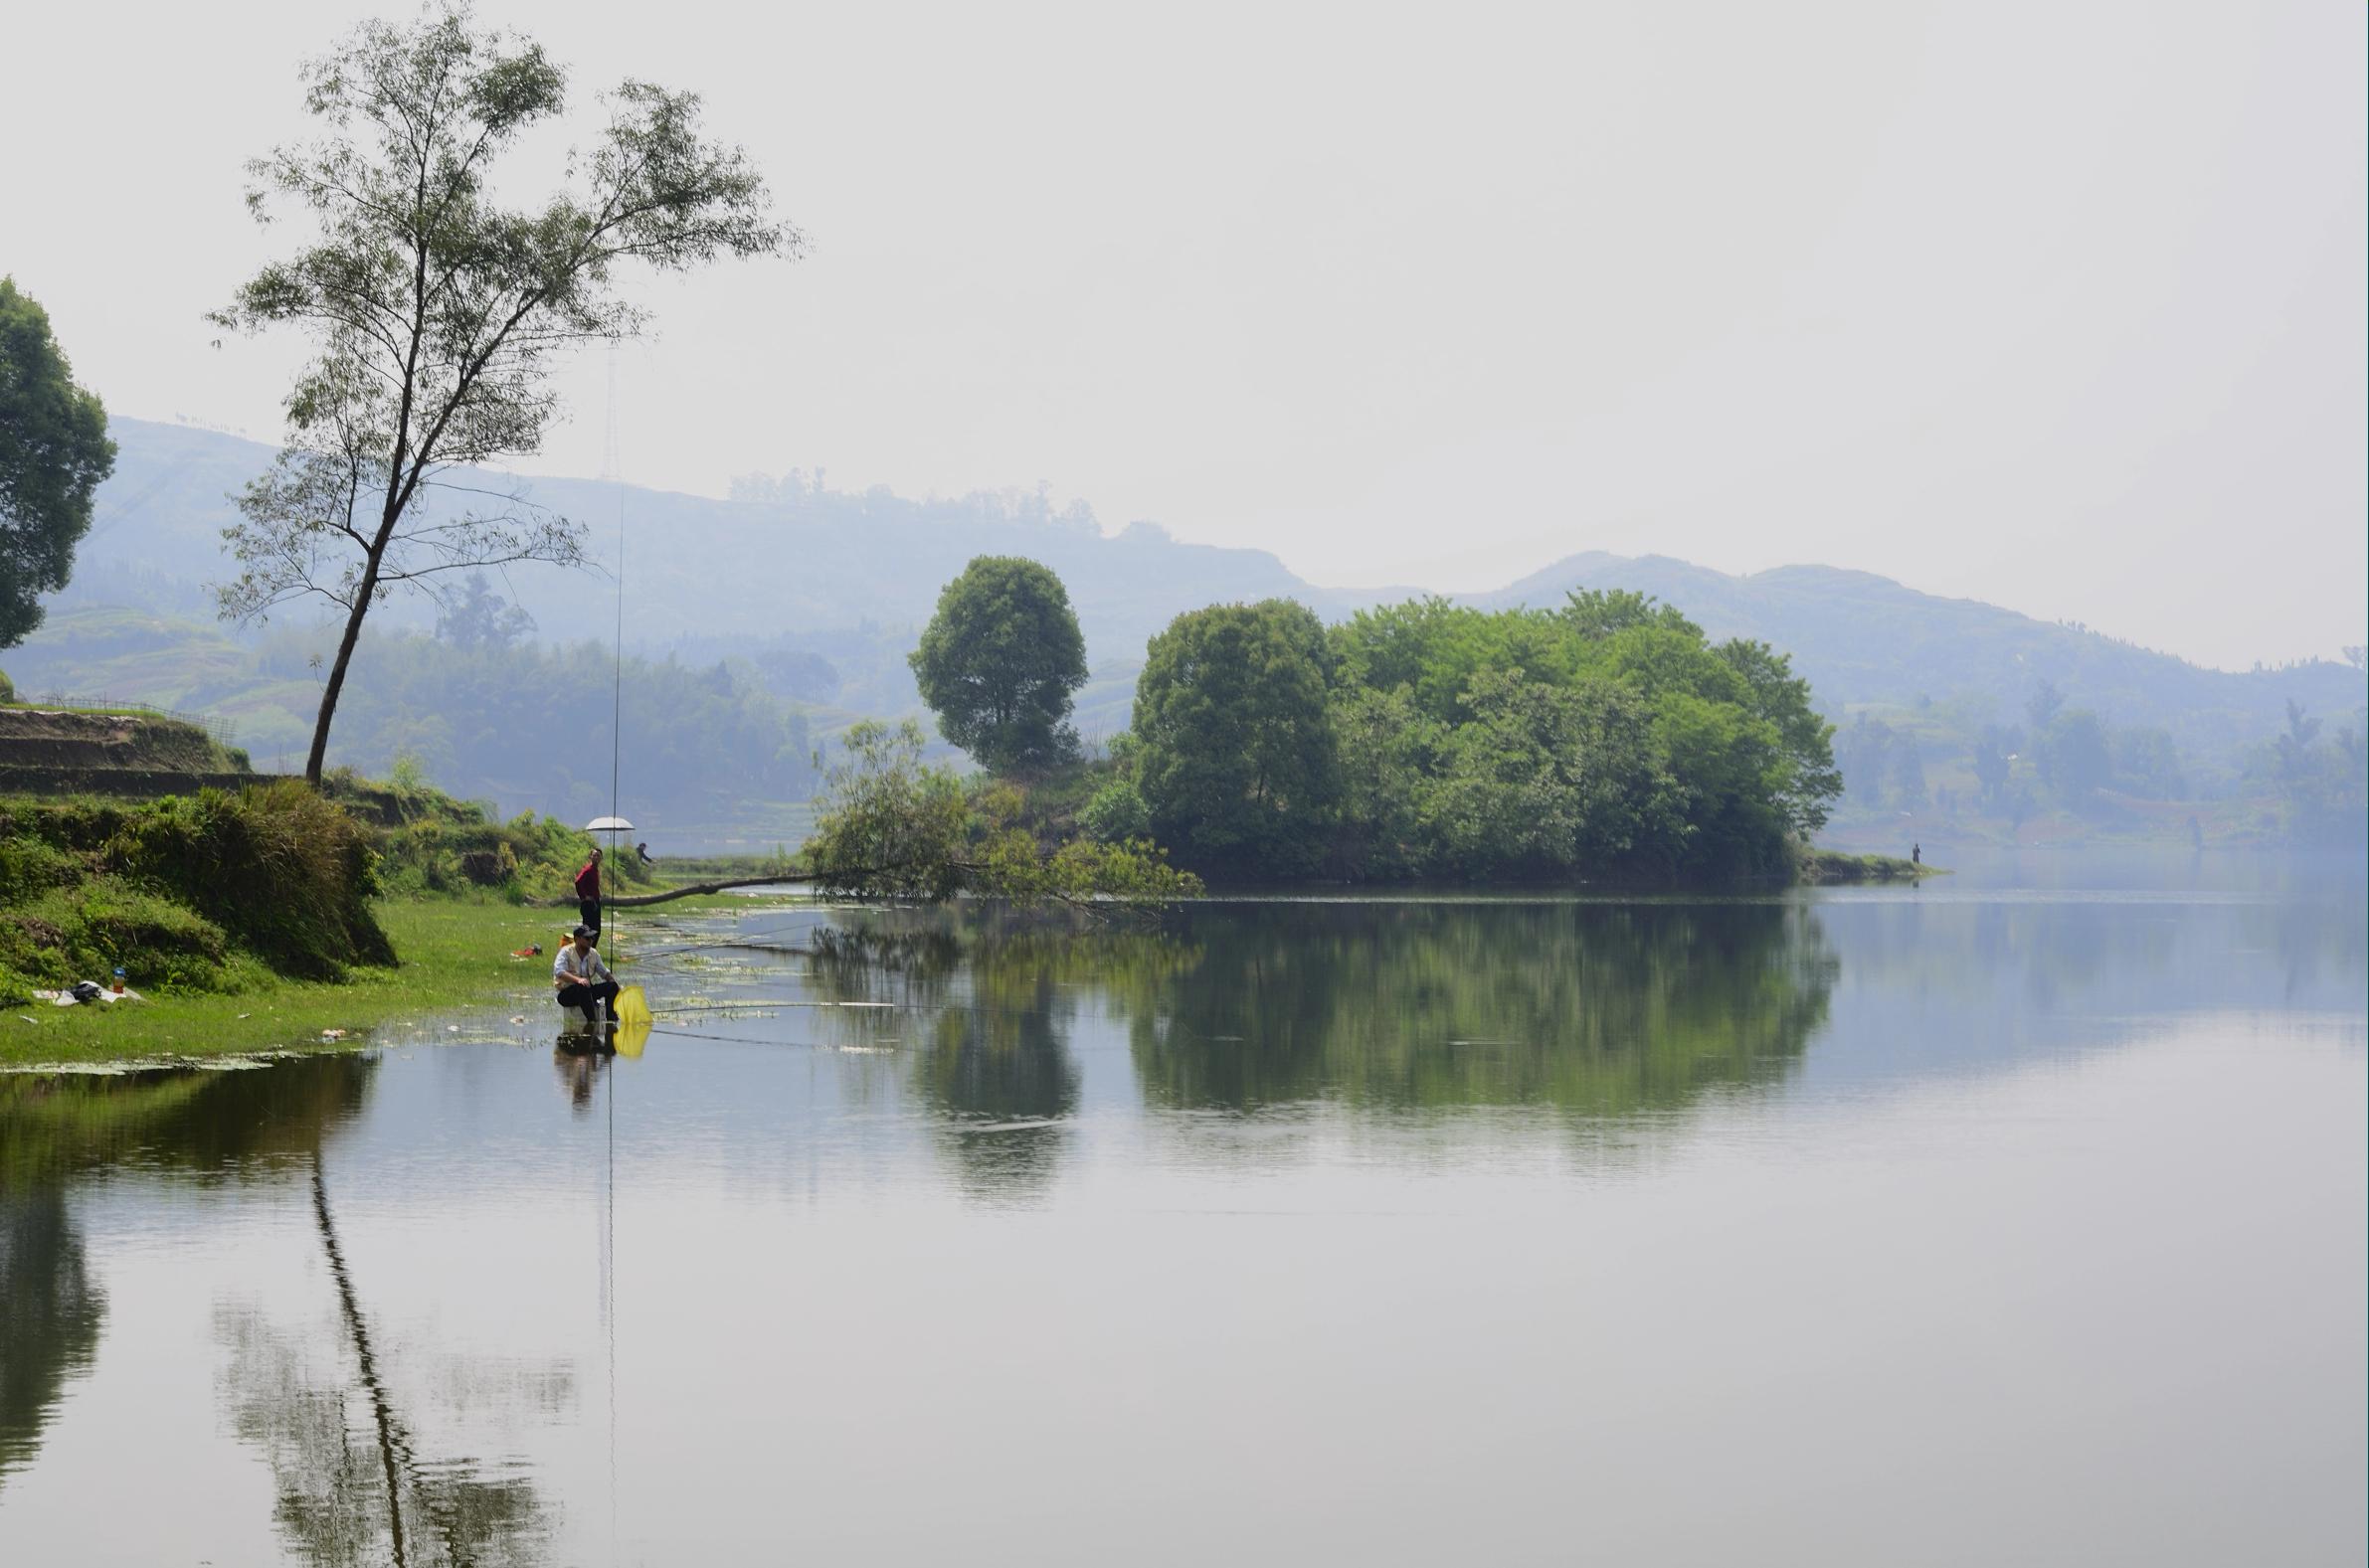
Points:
x=1823 y=867
x=453 y=956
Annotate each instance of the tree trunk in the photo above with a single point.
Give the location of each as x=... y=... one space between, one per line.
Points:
x=644 y=900
x=336 y=681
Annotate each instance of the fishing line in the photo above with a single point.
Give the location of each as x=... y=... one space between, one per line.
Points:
x=742 y=1039
x=609 y=1296
x=692 y=1007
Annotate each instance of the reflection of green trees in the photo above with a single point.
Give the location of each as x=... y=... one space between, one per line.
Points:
x=374 y=1495
x=53 y=1128
x=50 y=1312
x=1601 y=1009
x=985 y=1005
x=214 y=1124
x=345 y=1496
x=1595 y=1009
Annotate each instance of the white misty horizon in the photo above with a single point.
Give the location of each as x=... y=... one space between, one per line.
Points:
x=2055 y=309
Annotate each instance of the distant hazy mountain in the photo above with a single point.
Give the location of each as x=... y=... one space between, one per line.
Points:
x=796 y=562
x=1866 y=639
x=825 y=591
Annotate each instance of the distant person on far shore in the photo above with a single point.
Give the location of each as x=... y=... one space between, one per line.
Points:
x=1917 y=854
x=642 y=850
x=588 y=893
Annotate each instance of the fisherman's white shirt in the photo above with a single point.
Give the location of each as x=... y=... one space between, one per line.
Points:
x=590 y=970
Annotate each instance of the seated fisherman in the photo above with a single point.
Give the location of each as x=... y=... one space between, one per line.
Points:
x=582 y=980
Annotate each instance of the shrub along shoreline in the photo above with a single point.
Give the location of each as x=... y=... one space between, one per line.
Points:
x=454 y=955
x=260 y=917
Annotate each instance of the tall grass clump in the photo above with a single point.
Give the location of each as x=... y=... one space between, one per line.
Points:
x=443 y=845
x=200 y=892
x=285 y=869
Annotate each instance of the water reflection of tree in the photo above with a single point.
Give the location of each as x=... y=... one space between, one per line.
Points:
x=50 y=1312
x=996 y=1068
x=1594 y=1008
x=213 y=1125
x=1600 y=1009
x=380 y=1499
x=985 y=1003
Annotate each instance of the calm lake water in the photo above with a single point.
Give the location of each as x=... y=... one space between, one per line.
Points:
x=2015 y=1218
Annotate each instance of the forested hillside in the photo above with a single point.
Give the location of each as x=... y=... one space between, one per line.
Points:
x=799 y=605
x=476 y=707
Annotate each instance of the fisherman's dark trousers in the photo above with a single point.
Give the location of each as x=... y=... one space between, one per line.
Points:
x=592 y=998
x=587 y=910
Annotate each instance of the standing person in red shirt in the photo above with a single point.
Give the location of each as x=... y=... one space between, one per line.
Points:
x=588 y=893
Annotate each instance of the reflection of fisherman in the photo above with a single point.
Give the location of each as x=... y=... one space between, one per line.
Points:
x=588 y=893
x=578 y=1071
x=582 y=980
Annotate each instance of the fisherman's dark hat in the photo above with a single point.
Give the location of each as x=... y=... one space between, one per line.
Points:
x=584 y=931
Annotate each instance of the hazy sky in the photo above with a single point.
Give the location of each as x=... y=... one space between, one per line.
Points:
x=2058 y=305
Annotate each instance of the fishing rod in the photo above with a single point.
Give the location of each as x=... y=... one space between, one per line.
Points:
x=770 y=1006
x=742 y=1039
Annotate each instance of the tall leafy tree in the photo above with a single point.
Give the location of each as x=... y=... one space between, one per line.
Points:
x=1234 y=736
x=437 y=312
x=1546 y=780
x=53 y=453
x=999 y=663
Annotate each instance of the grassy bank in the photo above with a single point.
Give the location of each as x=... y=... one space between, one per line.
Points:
x=1828 y=867
x=454 y=954
x=264 y=916
x=210 y=892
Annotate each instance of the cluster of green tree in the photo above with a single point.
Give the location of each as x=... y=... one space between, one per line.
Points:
x=54 y=454
x=890 y=825
x=1608 y=739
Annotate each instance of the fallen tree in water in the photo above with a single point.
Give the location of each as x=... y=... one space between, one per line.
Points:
x=692 y=890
